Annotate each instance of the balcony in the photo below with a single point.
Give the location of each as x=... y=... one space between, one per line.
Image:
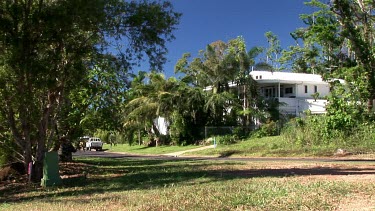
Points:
x=296 y=106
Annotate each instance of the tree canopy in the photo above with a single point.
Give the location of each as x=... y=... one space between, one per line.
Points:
x=223 y=70
x=65 y=70
x=57 y=55
x=338 y=42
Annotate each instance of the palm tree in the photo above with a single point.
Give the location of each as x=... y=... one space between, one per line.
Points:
x=150 y=101
x=219 y=70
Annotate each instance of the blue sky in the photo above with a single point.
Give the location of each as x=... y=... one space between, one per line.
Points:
x=206 y=21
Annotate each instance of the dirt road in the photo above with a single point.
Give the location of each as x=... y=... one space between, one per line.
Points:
x=178 y=156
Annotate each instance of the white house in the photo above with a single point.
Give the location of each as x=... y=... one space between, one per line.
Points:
x=162 y=125
x=295 y=90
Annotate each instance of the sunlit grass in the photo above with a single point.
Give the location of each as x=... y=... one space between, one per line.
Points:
x=141 y=149
x=273 y=146
x=237 y=194
x=256 y=147
x=122 y=184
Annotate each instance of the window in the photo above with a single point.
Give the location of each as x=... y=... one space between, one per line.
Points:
x=305 y=89
x=289 y=90
x=269 y=92
x=315 y=89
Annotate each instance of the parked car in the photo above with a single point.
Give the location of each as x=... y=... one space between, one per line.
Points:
x=94 y=143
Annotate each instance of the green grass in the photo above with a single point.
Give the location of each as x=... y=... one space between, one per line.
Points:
x=141 y=149
x=123 y=184
x=274 y=146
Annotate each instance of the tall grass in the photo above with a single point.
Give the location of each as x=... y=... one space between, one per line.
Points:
x=274 y=146
x=312 y=132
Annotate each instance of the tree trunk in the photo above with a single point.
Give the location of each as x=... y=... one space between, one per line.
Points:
x=139 y=137
x=38 y=166
x=157 y=133
x=41 y=149
x=21 y=139
x=371 y=87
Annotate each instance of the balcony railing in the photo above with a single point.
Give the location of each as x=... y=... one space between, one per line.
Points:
x=297 y=106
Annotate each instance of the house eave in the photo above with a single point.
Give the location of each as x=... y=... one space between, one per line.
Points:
x=277 y=81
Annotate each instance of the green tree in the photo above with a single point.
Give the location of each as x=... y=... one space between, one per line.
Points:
x=189 y=117
x=137 y=123
x=319 y=46
x=212 y=69
x=356 y=19
x=48 y=49
x=152 y=96
x=152 y=99
x=273 y=51
x=217 y=69
x=338 y=43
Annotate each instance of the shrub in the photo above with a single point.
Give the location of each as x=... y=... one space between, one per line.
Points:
x=240 y=132
x=226 y=139
x=309 y=131
x=269 y=129
x=184 y=131
x=319 y=131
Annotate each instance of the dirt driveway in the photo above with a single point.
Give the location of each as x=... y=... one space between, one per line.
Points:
x=179 y=155
x=347 y=168
x=354 y=169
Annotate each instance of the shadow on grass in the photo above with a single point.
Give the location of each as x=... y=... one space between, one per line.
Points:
x=228 y=153
x=141 y=148
x=102 y=175
x=98 y=175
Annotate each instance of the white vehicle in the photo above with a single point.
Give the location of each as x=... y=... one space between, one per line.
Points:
x=94 y=143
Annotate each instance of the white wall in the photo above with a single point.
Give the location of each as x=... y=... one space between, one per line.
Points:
x=323 y=90
x=267 y=75
x=297 y=106
x=162 y=125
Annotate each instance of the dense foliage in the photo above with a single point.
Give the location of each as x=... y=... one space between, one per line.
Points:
x=60 y=60
x=215 y=90
x=337 y=43
x=67 y=74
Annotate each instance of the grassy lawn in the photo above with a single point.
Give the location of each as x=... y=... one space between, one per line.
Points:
x=124 y=184
x=276 y=146
x=257 y=147
x=144 y=150
x=273 y=146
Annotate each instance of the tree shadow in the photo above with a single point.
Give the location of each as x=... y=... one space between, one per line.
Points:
x=100 y=175
x=286 y=172
x=227 y=153
x=111 y=175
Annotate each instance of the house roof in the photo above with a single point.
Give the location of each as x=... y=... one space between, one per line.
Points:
x=267 y=77
x=286 y=77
